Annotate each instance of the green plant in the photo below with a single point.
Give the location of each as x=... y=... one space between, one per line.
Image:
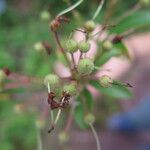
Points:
x=82 y=70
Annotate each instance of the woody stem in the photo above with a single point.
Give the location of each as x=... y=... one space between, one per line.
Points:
x=61 y=48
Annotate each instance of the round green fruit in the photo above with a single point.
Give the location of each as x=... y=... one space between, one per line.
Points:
x=85 y=66
x=45 y=15
x=107 y=45
x=52 y=80
x=144 y=2
x=38 y=47
x=105 y=81
x=63 y=137
x=89 y=118
x=71 y=46
x=84 y=46
x=89 y=26
x=70 y=89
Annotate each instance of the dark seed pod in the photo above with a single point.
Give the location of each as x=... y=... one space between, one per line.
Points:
x=117 y=39
x=55 y=25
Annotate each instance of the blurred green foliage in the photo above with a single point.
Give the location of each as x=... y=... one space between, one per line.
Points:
x=17 y=128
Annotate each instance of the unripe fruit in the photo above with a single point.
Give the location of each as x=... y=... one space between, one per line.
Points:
x=105 y=81
x=63 y=137
x=45 y=15
x=40 y=123
x=38 y=47
x=71 y=46
x=2 y=76
x=144 y=2
x=84 y=46
x=107 y=45
x=55 y=25
x=52 y=80
x=18 y=108
x=70 y=89
x=89 y=118
x=86 y=66
x=89 y=26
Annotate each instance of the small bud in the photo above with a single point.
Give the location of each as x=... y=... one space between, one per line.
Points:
x=55 y=25
x=84 y=46
x=144 y=2
x=89 y=26
x=105 y=81
x=86 y=66
x=89 y=118
x=45 y=15
x=38 y=47
x=70 y=89
x=107 y=45
x=71 y=46
x=40 y=123
x=18 y=108
x=53 y=80
x=2 y=76
x=63 y=137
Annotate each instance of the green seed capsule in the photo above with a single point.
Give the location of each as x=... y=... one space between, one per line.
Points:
x=70 y=89
x=107 y=45
x=144 y=2
x=38 y=47
x=71 y=46
x=89 y=118
x=52 y=80
x=45 y=15
x=63 y=137
x=89 y=26
x=86 y=66
x=105 y=81
x=84 y=46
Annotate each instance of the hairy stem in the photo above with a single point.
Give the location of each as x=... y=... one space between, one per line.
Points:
x=73 y=60
x=95 y=136
x=98 y=9
x=70 y=119
x=39 y=140
x=61 y=48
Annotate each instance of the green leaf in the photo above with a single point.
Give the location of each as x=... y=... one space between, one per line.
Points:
x=106 y=56
x=134 y=21
x=79 y=115
x=88 y=99
x=115 y=91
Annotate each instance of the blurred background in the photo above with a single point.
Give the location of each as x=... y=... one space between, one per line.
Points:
x=24 y=23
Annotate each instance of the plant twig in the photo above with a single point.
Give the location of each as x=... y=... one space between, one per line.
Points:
x=39 y=140
x=95 y=136
x=70 y=8
x=73 y=60
x=61 y=48
x=70 y=119
x=98 y=9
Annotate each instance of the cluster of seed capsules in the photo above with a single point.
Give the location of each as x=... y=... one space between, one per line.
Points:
x=80 y=71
